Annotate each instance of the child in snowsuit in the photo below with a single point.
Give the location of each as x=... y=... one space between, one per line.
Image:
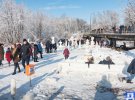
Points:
x=8 y=56
x=66 y=53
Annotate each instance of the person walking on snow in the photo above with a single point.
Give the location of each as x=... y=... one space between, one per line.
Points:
x=40 y=49
x=16 y=58
x=1 y=54
x=25 y=53
x=66 y=53
x=35 y=53
x=8 y=56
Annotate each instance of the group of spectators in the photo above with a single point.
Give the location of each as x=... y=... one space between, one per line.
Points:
x=21 y=52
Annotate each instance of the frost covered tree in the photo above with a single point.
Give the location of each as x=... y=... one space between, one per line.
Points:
x=12 y=21
x=130 y=14
x=105 y=20
x=18 y=22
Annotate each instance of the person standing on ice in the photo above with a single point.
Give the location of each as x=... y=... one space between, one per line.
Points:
x=16 y=58
x=40 y=49
x=1 y=54
x=131 y=71
x=26 y=53
x=8 y=56
x=66 y=53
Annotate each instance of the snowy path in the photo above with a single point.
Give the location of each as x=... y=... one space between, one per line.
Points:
x=70 y=84
x=44 y=68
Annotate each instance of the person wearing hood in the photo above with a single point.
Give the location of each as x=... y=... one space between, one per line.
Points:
x=66 y=53
x=8 y=56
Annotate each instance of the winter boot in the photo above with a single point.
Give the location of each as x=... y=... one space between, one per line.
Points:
x=9 y=64
x=14 y=73
x=36 y=60
x=41 y=56
x=129 y=81
x=19 y=71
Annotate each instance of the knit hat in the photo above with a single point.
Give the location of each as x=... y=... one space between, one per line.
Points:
x=24 y=40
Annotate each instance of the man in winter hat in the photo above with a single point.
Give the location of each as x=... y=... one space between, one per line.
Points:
x=25 y=52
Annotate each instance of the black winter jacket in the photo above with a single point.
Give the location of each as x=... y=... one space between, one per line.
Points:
x=26 y=50
x=131 y=67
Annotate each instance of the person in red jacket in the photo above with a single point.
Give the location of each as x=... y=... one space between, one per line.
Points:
x=8 y=55
x=66 y=53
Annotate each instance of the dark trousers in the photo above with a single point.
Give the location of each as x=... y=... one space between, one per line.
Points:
x=41 y=54
x=0 y=62
x=16 y=65
x=9 y=63
x=88 y=64
x=47 y=49
x=25 y=59
x=66 y=57
x=32 y=56
x=35 y=57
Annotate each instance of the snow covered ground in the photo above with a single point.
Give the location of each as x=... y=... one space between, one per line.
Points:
x=57 y=79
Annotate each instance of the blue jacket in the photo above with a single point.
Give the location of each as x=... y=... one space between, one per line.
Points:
x=40 y=49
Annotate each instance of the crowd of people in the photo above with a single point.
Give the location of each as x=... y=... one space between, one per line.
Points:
x=50 y=47
x=21 y=52
x=116 y=29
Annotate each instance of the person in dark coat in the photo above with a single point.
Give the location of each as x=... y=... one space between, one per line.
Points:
x=15 y=55
x=131 y=71
x=51 y=47
x=26 y=52
x=8 y=56
x=48 y=46
x=1 y=54
x=55 y=47
x=19 y=46
x=40 y=49
x=66 y=53
x=35 y=52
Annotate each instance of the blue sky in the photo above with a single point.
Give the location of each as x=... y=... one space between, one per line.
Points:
x=75 y=8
